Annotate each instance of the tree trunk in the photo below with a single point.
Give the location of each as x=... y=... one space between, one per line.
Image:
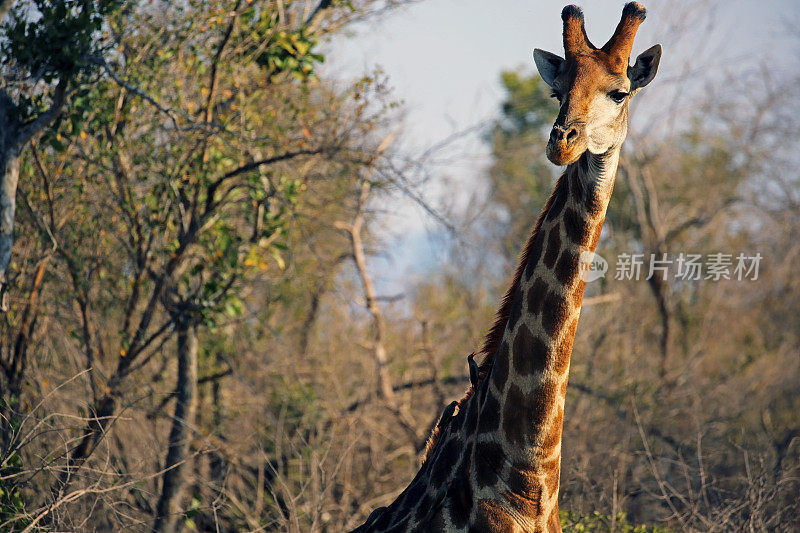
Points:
x=659 y=288
x=9 y=175
x=13 y=137
x=176 y=463
x=385 y=387
x=9 y=166
x=378 y=347
x=217 y=460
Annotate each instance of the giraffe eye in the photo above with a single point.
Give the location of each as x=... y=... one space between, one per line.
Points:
x=618 y=96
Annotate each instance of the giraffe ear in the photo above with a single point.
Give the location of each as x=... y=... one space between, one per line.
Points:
x=548 y=65
x=644 y=70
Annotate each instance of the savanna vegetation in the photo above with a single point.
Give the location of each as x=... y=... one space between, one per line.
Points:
x=193 y=339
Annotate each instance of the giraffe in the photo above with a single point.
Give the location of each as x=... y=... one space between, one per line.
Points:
x=493 y=462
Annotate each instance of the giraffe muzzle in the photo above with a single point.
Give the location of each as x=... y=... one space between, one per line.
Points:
x=566 y=144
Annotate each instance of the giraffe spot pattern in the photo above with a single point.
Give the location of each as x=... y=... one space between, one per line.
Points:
x=593 y=205
x=577 y=300
x=461 y=495
x=515 y=424
x=483 y=389
x=524 y=481
x=553 y=435
x=556 y=311
x=578 y=190
x=553 y=248
x=423 y=508
x=552 y=474
x=596 y=236
x=565 y=350
x=567 y=266
x=445 y=461
x=500 y=366
x=489 y=421
x=554 y=522
x=491 y=517
x=437 y=521
x=489 y=458
x=537 y=406
x=530 y=352
x=470 y=417
x=575 y=226
x=516 y=309
x=530 y=505
x=536 y=295
x=559 y=200
x=466 y=458
x=535 y=254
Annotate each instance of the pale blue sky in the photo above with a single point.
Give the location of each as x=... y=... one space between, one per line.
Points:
x=443 y=59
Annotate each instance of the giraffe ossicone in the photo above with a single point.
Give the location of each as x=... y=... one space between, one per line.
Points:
x=494 y=464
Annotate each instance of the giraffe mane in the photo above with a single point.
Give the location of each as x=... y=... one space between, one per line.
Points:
x=492 y=340
x=436 y=434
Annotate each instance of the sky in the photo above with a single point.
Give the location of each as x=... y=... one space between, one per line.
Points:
x=443 y=59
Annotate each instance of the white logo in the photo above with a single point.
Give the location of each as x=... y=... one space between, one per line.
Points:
x=591 y=266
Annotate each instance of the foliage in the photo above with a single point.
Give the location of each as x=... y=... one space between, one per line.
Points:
x=53 y=40
x=13 y=512
x=284 y=50
x=171 y=208
x=599 y=523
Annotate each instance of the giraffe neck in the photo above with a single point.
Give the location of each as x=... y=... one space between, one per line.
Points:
x=521 y=417
x=497 y=462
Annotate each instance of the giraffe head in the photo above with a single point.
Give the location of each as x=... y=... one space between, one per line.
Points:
x=594 y=85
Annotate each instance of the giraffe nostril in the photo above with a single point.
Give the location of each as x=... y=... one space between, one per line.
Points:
x=562 y=134
x=571 y=134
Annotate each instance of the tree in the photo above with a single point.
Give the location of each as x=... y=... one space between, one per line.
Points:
x=47 y=55
x=194 y=157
